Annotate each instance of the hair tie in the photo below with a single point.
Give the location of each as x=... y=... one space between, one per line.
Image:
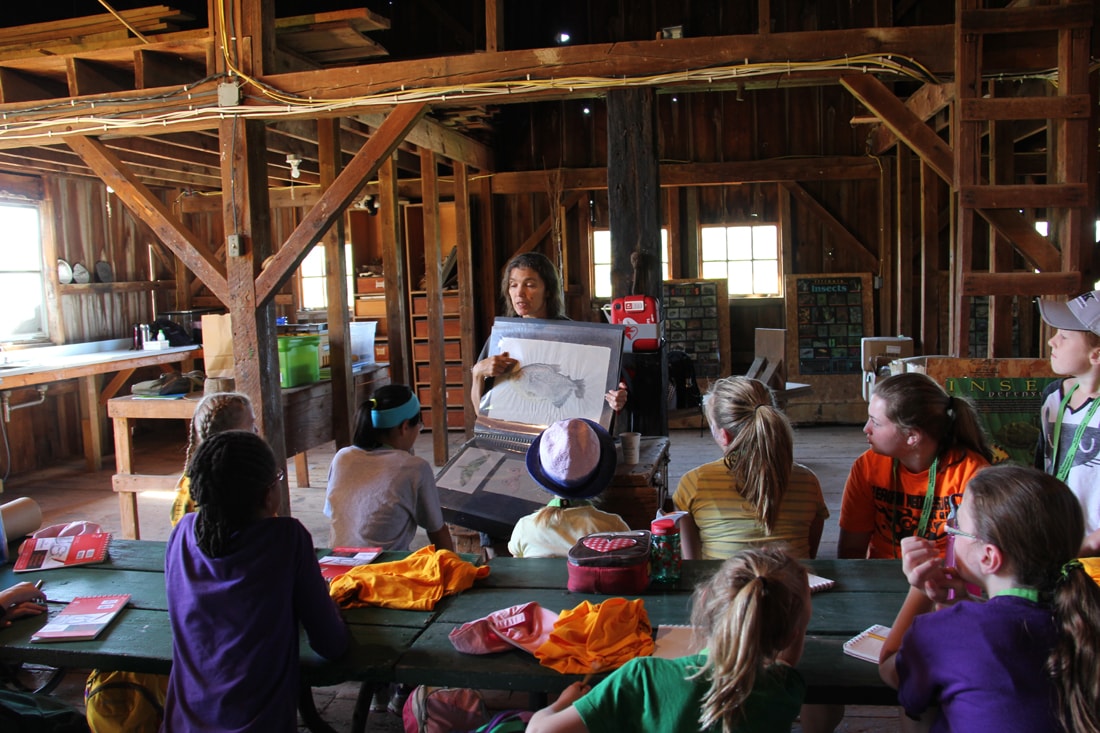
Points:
x=951 y=406
x=1068 y=568
x=763 y=585
x=373 y=403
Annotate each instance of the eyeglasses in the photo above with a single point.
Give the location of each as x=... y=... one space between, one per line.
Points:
x=951 y=526
x=280 y=476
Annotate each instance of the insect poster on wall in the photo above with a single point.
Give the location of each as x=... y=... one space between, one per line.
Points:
x=564 y=369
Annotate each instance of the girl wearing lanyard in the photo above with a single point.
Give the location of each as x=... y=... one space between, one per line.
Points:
x=925 y=447
x=1069 y=441
x=1025 y=659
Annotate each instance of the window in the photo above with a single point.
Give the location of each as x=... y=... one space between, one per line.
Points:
x=746 y=256
x=22 y=294
x=312 y=275
x=601 y=261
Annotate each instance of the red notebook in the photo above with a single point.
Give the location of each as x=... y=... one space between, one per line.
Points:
x=46 y=553
x=83 y=619
x=339 y=560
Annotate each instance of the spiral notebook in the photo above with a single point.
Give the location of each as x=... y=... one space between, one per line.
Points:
x=867 y=645
x=83 y=619
x=818 y=583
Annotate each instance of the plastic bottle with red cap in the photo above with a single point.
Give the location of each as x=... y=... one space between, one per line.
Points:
x=665 y=553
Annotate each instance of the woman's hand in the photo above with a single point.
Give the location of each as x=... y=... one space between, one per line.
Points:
x=494 y=366
x=21 y=599
x=616 y=398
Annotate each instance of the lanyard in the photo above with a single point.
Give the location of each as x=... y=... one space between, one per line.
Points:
x=1067 y=461
x=926 y=511
x=1030 y=594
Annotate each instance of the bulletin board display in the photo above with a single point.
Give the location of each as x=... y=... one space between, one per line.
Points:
x=697 y=321
x=827 y=316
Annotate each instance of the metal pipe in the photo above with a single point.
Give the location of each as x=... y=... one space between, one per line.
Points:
x=5 y=399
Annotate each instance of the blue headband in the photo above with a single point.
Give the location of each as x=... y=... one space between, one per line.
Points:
x=394 y=416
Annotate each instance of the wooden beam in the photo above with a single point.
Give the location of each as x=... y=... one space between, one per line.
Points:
x=1015 y=283
x=465 y=258
x=1042 y=196
x=194 y=254
x=680 y=175
x=444 y=141
x=394 y=268
x=838 y=230
x=547 y=224
x=1074 y=106
x=924 y=103
x=911 y=130
x=494 y=25
x=336 y=198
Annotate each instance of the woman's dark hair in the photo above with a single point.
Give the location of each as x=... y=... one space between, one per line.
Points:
x=915 y=400
x=1037 y=523
x=541 y=264
x=231 y=475
x=368 y=437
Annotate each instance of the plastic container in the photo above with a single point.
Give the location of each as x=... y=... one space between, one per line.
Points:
x=665 y=551
x=298 y=360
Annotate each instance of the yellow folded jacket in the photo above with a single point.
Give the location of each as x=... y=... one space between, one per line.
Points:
x=598 y=638
x=415 y=583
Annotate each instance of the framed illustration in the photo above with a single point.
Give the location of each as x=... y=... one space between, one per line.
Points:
x=565 y=368
x=830 y=315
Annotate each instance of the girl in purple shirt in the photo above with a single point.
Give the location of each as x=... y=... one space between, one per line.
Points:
x=1025 y=659
x=239 y=581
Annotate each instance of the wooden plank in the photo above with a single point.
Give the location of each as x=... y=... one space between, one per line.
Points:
x=1016 y=283
x=466 y=310
x=869 y=260
x=1075 y=106
x=394 y=267
x=433 y=257
x=1050 y=195
x=1026 y=19
x=362 y=18
x=19 y=86
x=91 y=77
x=442 y=140
x=924 y=104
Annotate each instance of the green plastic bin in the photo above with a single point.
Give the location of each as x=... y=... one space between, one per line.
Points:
x=298 y=360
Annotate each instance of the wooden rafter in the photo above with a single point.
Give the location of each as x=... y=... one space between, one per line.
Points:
x=336 y=198
x=849 y=241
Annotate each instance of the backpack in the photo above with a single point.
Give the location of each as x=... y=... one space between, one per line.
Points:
x=26 y=712
x=125 y=702
x=681 y=374
x=443 y=709
x=507 y=721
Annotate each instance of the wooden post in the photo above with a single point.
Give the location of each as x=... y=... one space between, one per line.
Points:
x=433 y=258
x=393 y=265
x=466 y=308
x=336 y=285
x=246 y=213
x=633 y=190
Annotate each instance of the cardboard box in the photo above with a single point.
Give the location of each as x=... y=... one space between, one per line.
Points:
x=370 y=285
x=878 y=351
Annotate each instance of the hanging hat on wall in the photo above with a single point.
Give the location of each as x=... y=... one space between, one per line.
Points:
x=573 y=459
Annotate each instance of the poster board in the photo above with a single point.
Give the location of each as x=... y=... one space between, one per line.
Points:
x=1006 y=392
x=697 y=321
x=827 y=317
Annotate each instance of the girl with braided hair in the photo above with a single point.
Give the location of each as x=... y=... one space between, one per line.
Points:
x=378 y=491
x=755 y=493
x=752 y=617
x=1026 y=659
x=215 y=413
x=239 y=582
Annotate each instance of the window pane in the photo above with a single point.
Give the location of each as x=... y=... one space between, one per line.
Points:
x=22 y=243
x=313 y=292
x=602 y=277
x=601 y=248
x=765 y=277
x=714 y=244
x=714 y=270
x=740 y=243
x=20 y=305
x=740 y=276
x=765 y=243
x=314 y=263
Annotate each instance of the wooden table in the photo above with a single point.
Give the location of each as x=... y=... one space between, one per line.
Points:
x=307 y=423
x=413 y=646
x=495 y=506
x=43 y=367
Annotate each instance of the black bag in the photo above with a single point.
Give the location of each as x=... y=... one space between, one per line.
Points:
x=25 y=712
x=172 y=331
x=681 y=374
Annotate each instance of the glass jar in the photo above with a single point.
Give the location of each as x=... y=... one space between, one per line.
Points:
x=665 y=551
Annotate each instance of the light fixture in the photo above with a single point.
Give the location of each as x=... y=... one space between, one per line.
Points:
x=562 y=38
x=295 y=162
x=586 y=111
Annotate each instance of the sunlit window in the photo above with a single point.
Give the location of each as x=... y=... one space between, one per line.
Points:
x=601 y=261
x=22 y=294
x=746 y=256
x=312 y=275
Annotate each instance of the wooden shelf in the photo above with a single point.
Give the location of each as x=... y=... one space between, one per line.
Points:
x=137 y=286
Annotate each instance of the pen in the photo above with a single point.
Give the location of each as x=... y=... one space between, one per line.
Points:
x=38 y=585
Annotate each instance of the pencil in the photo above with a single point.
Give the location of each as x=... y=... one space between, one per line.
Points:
x=38 y=584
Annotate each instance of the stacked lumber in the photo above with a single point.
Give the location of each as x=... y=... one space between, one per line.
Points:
x=87 y=33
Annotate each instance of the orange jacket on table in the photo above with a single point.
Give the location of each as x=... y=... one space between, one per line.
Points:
x=415 y=583
x=598 y=638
